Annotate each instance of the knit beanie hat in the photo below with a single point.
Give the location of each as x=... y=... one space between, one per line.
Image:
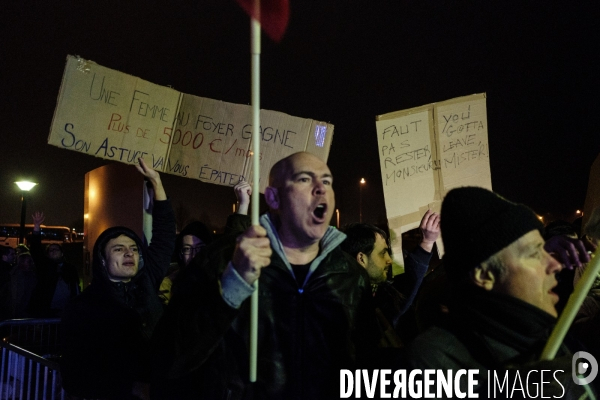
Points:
x=477 y=223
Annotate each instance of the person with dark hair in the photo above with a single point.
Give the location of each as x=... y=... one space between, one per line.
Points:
x=369 y=245
x=189 y=243
x=57 y=280
x=502 y=304
x=106 y=330
x=7 y=259
x=195 y=236
x=315 y=311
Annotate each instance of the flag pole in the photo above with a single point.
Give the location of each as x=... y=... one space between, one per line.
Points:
x=255 y=70
x=570 y=312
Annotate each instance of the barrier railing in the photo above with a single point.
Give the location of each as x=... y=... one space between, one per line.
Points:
x=39 y=336
x=25 y=375
x=29 y=366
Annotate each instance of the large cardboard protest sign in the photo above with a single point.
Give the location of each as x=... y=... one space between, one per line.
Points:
x=116 y=116
x=426 y=151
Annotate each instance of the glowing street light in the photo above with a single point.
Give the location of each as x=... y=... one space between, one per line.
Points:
x=25 y=187
x=362 y=183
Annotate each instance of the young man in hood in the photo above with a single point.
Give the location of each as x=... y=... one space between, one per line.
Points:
x=106 y=330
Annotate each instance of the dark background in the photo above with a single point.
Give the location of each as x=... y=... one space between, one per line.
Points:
x=340 y=61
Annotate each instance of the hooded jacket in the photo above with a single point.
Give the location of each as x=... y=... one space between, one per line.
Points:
x=106 y=330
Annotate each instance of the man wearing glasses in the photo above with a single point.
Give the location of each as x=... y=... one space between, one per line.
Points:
x=190 y=242
x=191 y=245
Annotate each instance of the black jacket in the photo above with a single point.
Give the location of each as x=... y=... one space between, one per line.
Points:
x=305 y=335
x=106 y=330
x=488 y=331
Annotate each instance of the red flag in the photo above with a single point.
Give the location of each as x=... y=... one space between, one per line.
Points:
x=273 y=18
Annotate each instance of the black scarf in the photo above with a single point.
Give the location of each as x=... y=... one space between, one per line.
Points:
x=475 y=313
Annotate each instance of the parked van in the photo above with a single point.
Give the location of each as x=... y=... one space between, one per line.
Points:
x=9 y=234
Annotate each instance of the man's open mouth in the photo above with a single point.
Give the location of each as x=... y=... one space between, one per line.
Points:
x=320 y=210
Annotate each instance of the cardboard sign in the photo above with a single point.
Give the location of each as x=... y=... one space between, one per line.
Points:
x=115 y=116
x=592 y=198
x=426 y=151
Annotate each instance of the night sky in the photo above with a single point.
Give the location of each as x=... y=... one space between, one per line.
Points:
x=339 y=62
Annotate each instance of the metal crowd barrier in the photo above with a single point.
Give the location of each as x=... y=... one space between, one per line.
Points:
x=25 y=375
x=29 y=366
x=39 y=336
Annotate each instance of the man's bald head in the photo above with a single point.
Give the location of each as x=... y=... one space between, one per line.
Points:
x=301 y=198
x=284 y=168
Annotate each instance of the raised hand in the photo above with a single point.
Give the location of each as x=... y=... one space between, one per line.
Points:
x=569 y=252
x=153 y=177
x=38 y=219
x=430 y=228
x=243 y=191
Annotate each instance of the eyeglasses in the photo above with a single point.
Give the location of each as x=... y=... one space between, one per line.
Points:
x=187 y=250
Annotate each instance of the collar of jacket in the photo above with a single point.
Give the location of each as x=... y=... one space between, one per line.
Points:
x=123 y=291
x=502 y=317
x=332 y=239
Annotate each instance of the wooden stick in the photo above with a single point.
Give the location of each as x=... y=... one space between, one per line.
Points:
x=255 y=50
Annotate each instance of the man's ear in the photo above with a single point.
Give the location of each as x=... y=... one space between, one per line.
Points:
x=272 y=197
x=485 y=279
x=362 y=259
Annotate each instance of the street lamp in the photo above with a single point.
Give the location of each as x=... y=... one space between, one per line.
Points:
x=362 y=183
x=25 y=186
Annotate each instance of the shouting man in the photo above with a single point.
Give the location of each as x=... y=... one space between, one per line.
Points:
x=315 y=310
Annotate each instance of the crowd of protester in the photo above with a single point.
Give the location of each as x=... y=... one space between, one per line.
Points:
x=170 y=320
